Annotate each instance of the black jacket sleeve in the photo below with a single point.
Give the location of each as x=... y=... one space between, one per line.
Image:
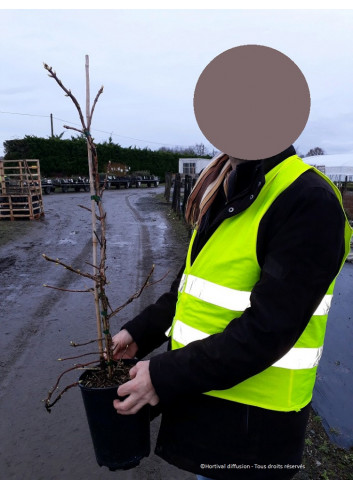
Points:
x=300 y=249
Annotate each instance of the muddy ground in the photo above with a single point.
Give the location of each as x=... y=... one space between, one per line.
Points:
x=37 y=325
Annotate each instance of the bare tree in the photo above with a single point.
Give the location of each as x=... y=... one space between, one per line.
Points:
x=97 y=269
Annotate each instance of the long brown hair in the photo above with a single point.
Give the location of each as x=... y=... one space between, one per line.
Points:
x=205 y=190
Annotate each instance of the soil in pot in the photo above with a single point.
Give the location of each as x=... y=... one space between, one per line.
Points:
x=119 y=441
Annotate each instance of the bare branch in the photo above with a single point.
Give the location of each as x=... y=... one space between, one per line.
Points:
x=100 y=91
x=48 y=405
x=74 y=129
x=84 y=207
x=133 y=297
x=67 y=290
x=90 y=210
x=72 y=343
x=91 y=265
x=67 y=91
x=98 y=238
x=69 y=267
x=78 y=356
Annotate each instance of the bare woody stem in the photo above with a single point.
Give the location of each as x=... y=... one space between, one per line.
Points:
x=104 y=312
x=73 y=344
x=69 y=267
x=48 y=404
x=133 y=297
x=94 y=178
x=100 y=91
x=52 y=74
x=67 y=290
x=78 y=356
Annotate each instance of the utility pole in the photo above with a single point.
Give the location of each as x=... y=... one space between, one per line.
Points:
x=51 y=125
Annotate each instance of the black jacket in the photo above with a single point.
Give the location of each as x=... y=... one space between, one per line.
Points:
x=300 y=248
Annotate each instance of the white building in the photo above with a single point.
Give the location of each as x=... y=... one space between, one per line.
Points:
x=192 y=166
x=337 y=167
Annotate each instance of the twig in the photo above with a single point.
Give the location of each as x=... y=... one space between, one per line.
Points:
x=90 y=210
x=91 y=265
x=68 y=92
x=51 y=392
x=126 y=349
x=69 y=267
x=72 y=343
x=133 y=297
x=67 y=290
x=78 y=356
x=98 y=238
x=100 y=91
x=74 y=129
x=49 y=405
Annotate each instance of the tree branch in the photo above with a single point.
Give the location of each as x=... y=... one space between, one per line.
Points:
x=74 y=129
x=67 y=290
x=133 y=297
x=67 y=91
x=48 y=405
x=69 y=267
x=100 y=91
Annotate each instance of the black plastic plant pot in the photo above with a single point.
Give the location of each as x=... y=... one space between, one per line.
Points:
x=120 y=441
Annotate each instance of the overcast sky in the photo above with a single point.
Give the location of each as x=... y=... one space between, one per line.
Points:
x=149 y=62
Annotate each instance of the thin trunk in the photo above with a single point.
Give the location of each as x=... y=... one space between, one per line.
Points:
x=93 y=209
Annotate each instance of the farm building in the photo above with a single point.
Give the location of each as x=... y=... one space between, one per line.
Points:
x=339 y=168
x=192 y=166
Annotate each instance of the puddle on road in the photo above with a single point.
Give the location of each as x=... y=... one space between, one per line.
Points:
x=67 y=241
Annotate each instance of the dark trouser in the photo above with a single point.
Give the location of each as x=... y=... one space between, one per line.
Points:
x=225 y=440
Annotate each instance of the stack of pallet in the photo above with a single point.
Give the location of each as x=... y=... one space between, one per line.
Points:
x=20 y=190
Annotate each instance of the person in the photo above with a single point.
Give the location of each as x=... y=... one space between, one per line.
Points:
x=244 y=320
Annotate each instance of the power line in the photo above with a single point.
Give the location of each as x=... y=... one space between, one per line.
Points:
x=96 y=130
x=20 y=113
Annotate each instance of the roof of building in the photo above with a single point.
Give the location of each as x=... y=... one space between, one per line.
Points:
x=334 y=165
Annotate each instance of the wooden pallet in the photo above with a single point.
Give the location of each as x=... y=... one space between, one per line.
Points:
x=21 y=190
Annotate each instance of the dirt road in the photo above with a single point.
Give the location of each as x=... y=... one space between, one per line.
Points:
x=37 y=325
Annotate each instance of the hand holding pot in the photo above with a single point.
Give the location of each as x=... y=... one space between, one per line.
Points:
x=139 y=390
x=123 y=345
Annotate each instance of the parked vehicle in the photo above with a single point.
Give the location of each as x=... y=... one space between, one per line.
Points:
x=82 y=183
x=150 y=180
x=47 y=185
x=75 y=183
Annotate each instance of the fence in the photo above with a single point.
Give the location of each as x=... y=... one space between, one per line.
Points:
x=182 y=185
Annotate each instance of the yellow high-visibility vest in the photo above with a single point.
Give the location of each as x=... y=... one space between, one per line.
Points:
x=217 y=287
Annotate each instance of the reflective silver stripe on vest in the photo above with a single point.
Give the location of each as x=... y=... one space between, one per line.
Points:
x=324 y=306
x=299 y=358
x=218 y=295
x=295 y=359
x=234 y=300
x=184 y=334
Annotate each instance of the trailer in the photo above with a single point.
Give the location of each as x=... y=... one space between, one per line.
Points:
x=73 y=183
x=150 y=181
x=109 y=181
x=129 y=181
x=48 y=186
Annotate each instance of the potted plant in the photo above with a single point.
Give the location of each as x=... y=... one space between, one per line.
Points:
x=120 y=442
